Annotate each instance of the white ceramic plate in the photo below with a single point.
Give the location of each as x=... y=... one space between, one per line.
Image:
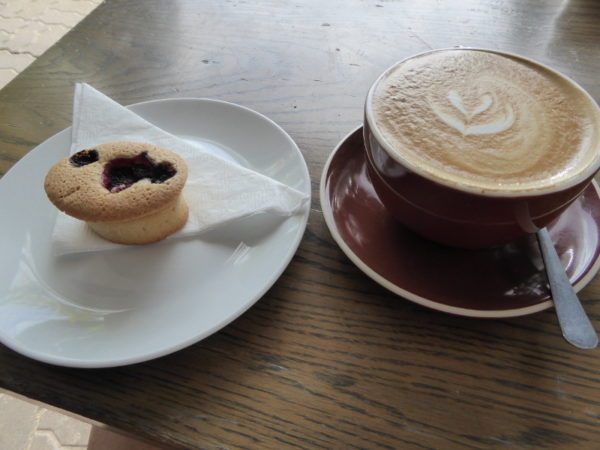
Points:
x=133 y=304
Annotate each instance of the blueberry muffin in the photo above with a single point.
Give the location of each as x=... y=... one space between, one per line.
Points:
x=127 y=192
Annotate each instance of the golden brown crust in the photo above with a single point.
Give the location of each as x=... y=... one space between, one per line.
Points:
x=147 y=229
x=79 y=191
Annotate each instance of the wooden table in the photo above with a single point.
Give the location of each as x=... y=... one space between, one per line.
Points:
x=328 y=358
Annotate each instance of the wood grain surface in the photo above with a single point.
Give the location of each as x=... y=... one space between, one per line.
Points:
x=328 y=358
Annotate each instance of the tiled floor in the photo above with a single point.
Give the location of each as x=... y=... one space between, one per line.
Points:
x=27 y=29
x=25 y=425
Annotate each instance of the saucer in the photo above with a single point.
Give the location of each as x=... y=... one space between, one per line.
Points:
x=507 y=281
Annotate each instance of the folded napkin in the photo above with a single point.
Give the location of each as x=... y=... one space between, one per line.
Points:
x=217 y=191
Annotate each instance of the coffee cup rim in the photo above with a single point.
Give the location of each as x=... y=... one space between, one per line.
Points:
x=584 y=174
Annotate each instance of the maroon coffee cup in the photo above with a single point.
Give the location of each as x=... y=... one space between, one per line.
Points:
x=459 y=215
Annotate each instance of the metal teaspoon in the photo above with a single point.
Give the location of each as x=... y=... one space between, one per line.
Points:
x=574 y=322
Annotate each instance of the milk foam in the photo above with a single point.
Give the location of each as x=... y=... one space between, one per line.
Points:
x=486 y=120
x=462 y=122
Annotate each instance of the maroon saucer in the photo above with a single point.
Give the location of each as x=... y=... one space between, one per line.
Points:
x=507 y=281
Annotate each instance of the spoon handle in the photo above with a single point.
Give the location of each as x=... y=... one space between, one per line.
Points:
x=574 y=322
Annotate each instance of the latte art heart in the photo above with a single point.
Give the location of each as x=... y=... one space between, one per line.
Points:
x=463 y=124
x=487 y=120
x=456 y=100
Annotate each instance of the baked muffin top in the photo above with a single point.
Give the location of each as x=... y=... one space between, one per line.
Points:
x=116 y=181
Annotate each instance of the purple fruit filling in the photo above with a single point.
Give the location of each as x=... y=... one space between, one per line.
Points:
x=84 y=157
x=120 y=173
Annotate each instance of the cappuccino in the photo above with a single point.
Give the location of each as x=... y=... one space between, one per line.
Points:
x=486 y=122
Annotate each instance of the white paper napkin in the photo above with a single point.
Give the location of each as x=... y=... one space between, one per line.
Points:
x=217 y=191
